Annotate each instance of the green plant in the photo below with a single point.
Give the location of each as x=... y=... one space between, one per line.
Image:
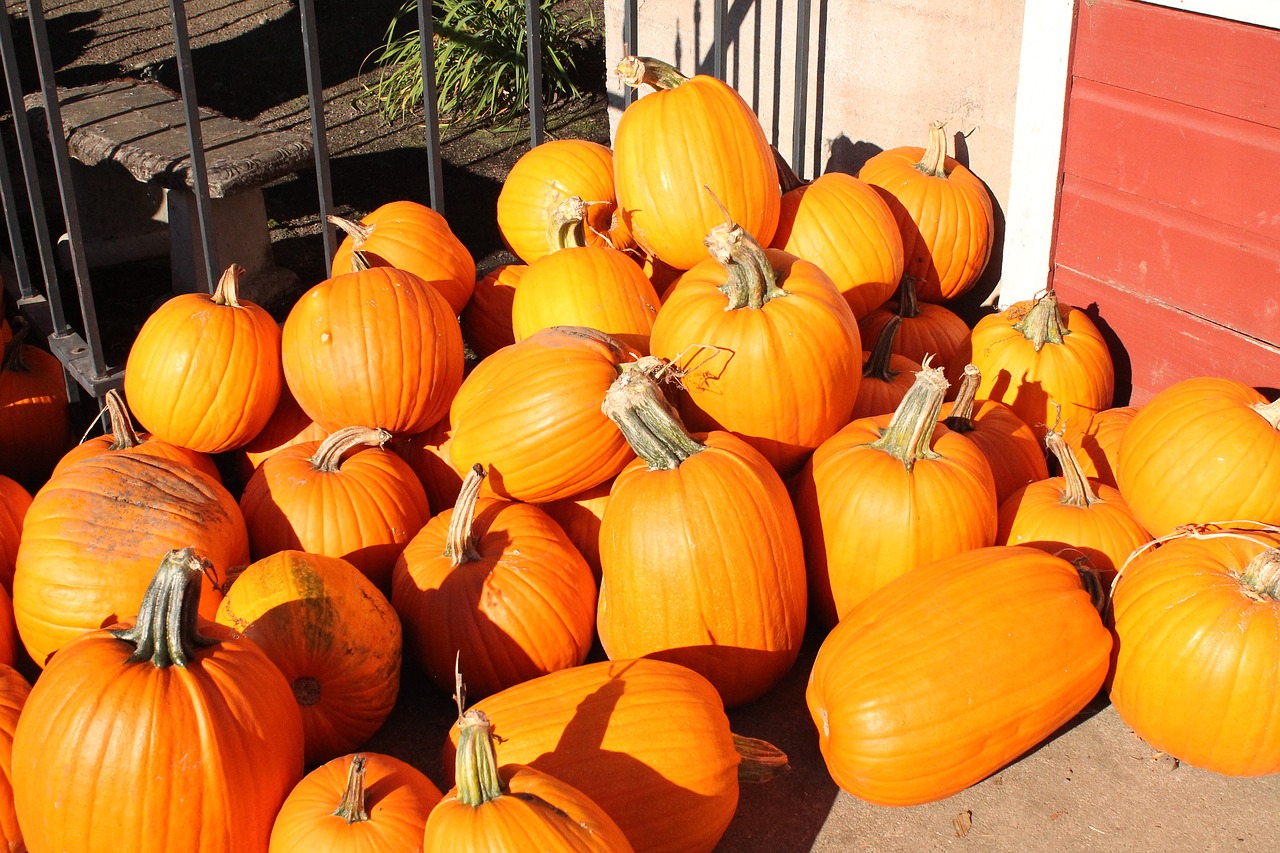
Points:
x=480 y=59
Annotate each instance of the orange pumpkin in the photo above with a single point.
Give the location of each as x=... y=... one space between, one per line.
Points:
x=679 y=149
x=410 y=237
x=886 y=375
x=334 y=637
x=952 y=671
x=287 y=426
x=169 y=706
x=486 y=321
x=204 y=370
x=35 y=420
x=926 y=329
x=14 y=503
x=1097 y=443
x=428 y=455
x=943 y=212
x=14 y=690
x=579 y=516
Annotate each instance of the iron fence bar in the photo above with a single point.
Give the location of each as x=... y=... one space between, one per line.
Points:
x=800 y=116
x=426 y=40
x=195 y=138
x=718 y=40
x=630 y=44
x=533 y=44
x=9 y=208
x=319 y=136
x=30 y=173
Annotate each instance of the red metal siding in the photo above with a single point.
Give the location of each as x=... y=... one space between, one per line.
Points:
x=1170 y=212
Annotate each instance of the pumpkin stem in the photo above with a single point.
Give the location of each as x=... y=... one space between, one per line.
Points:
x=649 y=423
x=1044 y=322
x=1091 y=581
x=934 y=161
x=1262 y=575
x=352 y=809
x=358 y=231
x=567 y=228
x=13 y=360
x=165 y=632
x=635 y=70
x=752 y=280
x=759 y=760
x=877 y=366
x=1076 y=489
x=228 y=290
x=788 y=180
x=328 y=457
x=908 y=303
x=123 y=435
x=460 y=543
x=1270 y=411
x=909 y=434
x=961 y=418
x=476 y=765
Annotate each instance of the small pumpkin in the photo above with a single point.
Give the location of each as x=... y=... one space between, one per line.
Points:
x=580 y=516
x=428 y=454
x=1097 y=443
x=14 y=502
x=287 y=426
x=486 y=320
x=887 y=376
x=35 y=418
x=925 y=328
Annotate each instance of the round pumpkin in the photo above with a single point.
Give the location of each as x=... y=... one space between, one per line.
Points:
x=35 y=420
x=887 y=376
x=926 y=329
x=287 y=426
x=486 y=321
x=580 y=516
x=428 y=455
x=14 y=690
x=1097 y=443
x=14 y=503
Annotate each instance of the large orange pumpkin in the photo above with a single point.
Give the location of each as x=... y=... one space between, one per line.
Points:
x=14 y=690
x=201 y=723
x=954 y=670
x=679 y=149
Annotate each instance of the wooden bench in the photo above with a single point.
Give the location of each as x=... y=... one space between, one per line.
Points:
x=132 y=175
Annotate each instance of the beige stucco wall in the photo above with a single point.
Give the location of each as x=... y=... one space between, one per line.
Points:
x=879 y=72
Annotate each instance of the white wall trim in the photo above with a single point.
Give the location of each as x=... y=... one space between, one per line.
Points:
x=1264 y=13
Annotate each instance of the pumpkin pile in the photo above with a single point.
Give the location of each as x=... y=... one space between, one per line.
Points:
x=711 y=410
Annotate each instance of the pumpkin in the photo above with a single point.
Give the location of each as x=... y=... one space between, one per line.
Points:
x=360 y=803
x=204 y=370
x=952 y=671
x=1015 y=456
x=890 y=493
x=1197 y=621
x=530 y=414
x=428 y=455
x=1097 y=443
x=334 y=637
x=378 y=348
x=287 y=426
x=843 y=225
x=513 y=807
x=886 y=375
x=91 y=535
x=700 y=553
x=649 y=739
x=169 y=733
x=486 y=321
x=925 y=329
x=123 y=438
x=765 y=346
x=410 y=237
x=1203 y=449
x=14 y=690
x=579 y=516
x=546 y=176
x=8 y=631
x=520 y=598
x=35 y=420
x=14 y=502
x=342 y=497
x=1071 y=515
x=1045 y=360
x=679 y=149
x=943 y=212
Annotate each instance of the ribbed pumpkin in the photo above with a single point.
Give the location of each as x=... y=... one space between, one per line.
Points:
x=343 y=497
x=513 y=807
x=1203 y=449
x=14 y=502
x=204 y=370
x=334 y=637
x=843 y=225
x=165 y=735
x=378 y=347
x=14 y=690
x=1097 y=443
x=8 y=631
x=519 y=598
x=546 y=176
x=649 y=739
x=35 y=421
x=766 y=347
x=943 y=211
x=91 y=539
x=890 y=493
x=1197 y=620
x=952 y=671
x=1045 y=360
x=579 y=516
x=486 y=321
x=361 y=803
x=700 y=554
x=679 y=149
x=428 y=455
x=926 y=329
x=410 y=237
x=530 y=414
x=287 y=426
x=886 y=375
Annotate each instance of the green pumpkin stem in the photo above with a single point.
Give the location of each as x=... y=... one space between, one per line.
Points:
x=1076 y=489
x=909 y=435
x=649 y=423
x=759 y=760
x=961 y=417
x=476 y=764
x=460 y=542
x=123 y=435
x=352 y=809
x=567 y=228
x=637 y=70
x=934 y=160
x=1043 y=323
x=1262 y=575
x=328 y=457
x=881 y=356
x=228 y=290
x=908 y=302
x=165 y=632
x=752 y=280
x=1270 y=411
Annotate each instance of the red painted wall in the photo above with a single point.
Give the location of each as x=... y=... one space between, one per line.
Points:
x=1169 y=219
